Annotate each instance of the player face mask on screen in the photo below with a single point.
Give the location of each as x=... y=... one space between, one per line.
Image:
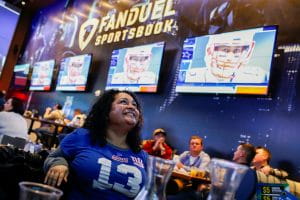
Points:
x=137 y=63
x=75 y=69
x=227 y=57
x=43 y=71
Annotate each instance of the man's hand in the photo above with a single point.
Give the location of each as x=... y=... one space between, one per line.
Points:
x=266 y=170
x=158 y=144
x=179 y=165
x=56 y=175
x=48 y=109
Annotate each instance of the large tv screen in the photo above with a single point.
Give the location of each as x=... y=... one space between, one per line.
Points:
x=230 y=63
x=42 y=75
x=136 y=68
x=9 y=17
x=73 y=73
x=20 y=77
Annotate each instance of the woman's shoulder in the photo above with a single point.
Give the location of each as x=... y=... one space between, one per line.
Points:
x=79 y=134
x=10 y=115
x=3 y=113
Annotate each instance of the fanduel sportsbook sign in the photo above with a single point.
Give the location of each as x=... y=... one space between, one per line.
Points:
x=139 y=21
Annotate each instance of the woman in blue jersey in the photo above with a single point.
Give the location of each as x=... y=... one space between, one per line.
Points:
x=104 y=157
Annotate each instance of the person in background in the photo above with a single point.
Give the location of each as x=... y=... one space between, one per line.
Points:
x=55 y=113
x=195 y=157
x=12 y=122
x=261 y=162
x=78 y=119
x=158 y=146
x=2 y=99
x=104 y=158
x=244 y=155
x=45 y=132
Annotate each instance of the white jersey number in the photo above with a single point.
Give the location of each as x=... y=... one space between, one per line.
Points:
x=133 y=182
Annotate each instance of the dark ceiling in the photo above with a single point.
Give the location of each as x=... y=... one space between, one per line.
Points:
x=31 y=5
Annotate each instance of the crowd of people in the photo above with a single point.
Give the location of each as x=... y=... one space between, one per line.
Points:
x=106 y=158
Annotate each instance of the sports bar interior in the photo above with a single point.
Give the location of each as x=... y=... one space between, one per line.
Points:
x=223 y=70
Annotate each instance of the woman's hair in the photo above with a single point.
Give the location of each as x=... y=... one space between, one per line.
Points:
x=17 y=105
x=98 y=120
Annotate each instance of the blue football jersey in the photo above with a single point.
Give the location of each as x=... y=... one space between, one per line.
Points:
x=105 y=172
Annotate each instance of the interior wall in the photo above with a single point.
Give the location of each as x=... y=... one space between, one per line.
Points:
x=222 y=120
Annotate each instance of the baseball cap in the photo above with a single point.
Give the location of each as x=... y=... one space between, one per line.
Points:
x=159 y=130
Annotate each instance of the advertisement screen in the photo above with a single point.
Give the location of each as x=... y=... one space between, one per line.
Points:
x=9 y=17
x=230 y=63
x=73 y=73
x=42 y=75
x=136 y=68
x=20 y=76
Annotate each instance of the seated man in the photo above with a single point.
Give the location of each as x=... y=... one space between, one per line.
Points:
x=195 y=157
x=261 y=163
x=44 y=133
x=158 y=146
x=55 y=113
x=266 y=174
x=244 y=154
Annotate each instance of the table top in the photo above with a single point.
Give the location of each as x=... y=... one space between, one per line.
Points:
x=187 y=176
x=50 y=122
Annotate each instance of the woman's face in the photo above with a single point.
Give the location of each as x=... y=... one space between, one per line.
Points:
x=124 y=111
x=8 y=105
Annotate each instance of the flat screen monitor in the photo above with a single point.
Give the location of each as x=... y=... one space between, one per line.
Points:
x=73 y=73
x=230 y=63
x=42 y=75
x=9 y=16
x=20 y=77
x=136 y=68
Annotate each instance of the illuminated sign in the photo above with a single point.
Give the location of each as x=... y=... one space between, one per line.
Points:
x=144 y=20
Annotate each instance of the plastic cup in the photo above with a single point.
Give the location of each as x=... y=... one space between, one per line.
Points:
x=38 y=191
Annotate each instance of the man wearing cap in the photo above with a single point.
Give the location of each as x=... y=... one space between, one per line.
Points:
x=158 y=146
x=226 y=59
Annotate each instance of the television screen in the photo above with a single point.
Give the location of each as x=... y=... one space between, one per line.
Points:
x=42 y=75
x=230 y=63
x=73 y=73
x=136 y=68
x=20 y=76
x=9 y=17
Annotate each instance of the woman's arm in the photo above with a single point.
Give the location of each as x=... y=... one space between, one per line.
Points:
x=56 y=167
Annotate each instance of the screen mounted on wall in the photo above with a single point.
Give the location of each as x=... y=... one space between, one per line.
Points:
x=42 y=75
x=9 y=17
x=136 y=68
x=230 y=63
x=20 y=77
x=73 y=73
